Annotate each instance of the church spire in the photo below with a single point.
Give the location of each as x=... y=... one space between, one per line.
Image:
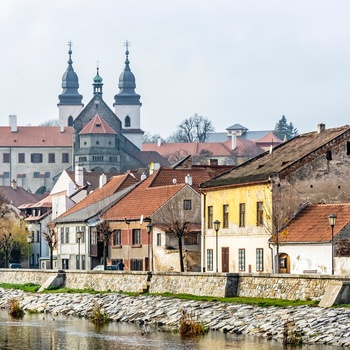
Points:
x=70 y=84
x=127 y=85
x=98 y=83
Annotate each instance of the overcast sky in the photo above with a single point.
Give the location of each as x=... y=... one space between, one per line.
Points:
x=232 y=61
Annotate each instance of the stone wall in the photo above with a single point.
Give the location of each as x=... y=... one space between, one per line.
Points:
x=204 y=284
x=290 y=287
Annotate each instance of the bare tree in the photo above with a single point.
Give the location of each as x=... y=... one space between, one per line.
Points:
x=178 y=219
x=147 y=137
x=193 y=129
x=50 y=237
x=51 y=122
x=104 y=234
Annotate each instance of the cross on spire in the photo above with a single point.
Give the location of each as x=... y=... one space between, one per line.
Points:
x=127 y=44
x=70 y=44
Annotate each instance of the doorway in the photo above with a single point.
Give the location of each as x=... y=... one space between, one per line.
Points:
x=224 y=259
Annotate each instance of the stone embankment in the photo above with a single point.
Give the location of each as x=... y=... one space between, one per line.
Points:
x=317 y=325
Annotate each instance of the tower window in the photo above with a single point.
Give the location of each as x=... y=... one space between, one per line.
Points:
x=127 y=121
x=329 y=155
x=70 y=121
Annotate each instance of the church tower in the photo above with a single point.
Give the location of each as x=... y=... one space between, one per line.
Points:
x=70 y=104
x=127 y=104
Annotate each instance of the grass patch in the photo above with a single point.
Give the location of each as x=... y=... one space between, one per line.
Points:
x=33 y=312
x=28 y=287
x=15 y=310
x=53 y=289
x=262 y=302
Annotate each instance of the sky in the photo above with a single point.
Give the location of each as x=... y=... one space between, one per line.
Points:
x=231 y=61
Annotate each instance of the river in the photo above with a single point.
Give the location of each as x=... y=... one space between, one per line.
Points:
x=44 y=332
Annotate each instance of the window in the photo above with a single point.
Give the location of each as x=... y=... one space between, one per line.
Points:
x=225 y=216
x=65 y=157
x=51 y=157
x=241 y=259
x=83 y=263
x=259 y=214
x=77 y=257
x=6 y=157
x=127 y=121
x=210 y=217
x=117 y=237
x=21 y=158
x=6 y=175
x=209 y=259
x=259 y=259
x=97 y=158
x=36 y=175
x=62 y=235
x=348 y=148
x=241 y=214
x=47 y=175
x=112 y=159
x=159 y=239
x=191 y=238
x=136 y=264
x=136 y=237
x=329 y=155
x=67 y=234
x=187 y=204
x=36 y=158
x=82 y=159
x=82 y=230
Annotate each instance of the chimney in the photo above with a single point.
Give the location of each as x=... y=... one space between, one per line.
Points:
x=159 y=141
x=14 y=184
x=103 y=180
x=188 y=179
x=62 y=128
x=13 y=122
x=321 y=127
x=79 y=175
x=70 y=188
x=233 y=138
x=143 y=177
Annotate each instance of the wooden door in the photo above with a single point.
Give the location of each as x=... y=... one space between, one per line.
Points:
x=225 y=259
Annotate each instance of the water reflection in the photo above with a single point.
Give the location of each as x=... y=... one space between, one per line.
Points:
x=67 y=332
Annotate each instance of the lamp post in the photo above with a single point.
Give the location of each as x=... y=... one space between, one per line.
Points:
x=29 y=240
x=332 y=219
x=148 y=229
x=79 y=234
x=216 y=227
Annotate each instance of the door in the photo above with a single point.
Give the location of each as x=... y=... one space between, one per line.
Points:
x=224 y=259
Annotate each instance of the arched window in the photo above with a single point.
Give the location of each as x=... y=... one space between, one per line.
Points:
x=70 y=121
x=127 y=121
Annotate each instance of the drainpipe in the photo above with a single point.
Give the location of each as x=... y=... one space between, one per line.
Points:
x=203 y=231
x=272 y=259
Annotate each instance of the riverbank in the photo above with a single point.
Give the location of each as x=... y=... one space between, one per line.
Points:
x=317 y=325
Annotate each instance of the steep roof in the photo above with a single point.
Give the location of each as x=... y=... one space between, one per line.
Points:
x=311 y=224
x=282 y=158
x=36 y=136
x=19 y=196
x=114 y=184
x=97 y=125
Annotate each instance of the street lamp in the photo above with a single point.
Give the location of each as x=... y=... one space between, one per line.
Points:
x=216 y=227
x=148 y=229
x=332 y=219
x=29 y=240
x=79 y=235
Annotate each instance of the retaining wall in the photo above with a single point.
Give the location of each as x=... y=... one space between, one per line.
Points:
x=290 y=287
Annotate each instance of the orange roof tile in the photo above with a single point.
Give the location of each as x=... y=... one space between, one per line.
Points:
x=143 y=200
x=311 y=223
x=97 y=125
x=36 y=136
x=114 y=184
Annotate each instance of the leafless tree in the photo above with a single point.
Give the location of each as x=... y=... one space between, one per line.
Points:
x=192 y=129
x=50 y=237
x=104 y=234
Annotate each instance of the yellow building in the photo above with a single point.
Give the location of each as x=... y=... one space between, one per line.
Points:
x=241 y=242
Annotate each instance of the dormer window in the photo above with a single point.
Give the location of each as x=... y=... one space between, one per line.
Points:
x=127 y=121
x=98 y=125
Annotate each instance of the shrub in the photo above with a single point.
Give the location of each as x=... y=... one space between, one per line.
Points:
x=15 y=310
x=189 y=325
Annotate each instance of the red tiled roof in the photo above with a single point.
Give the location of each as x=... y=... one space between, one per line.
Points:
x=97 y=125
x=114 y=184
x=36 y=136
x=143 y=200
x=243 y=147
x=269 y=138
x=311 y=223
x=19 y=196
